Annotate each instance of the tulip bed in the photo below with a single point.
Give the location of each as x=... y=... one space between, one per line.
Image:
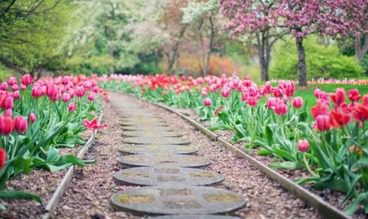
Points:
x=39 y=117
x=328 y=140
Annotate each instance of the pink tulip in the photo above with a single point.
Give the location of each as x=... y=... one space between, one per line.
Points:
x=8 y=102
x=4 y=86
x=207 y=101
x=32 y=118
x=6 y=125
x=65 y=97
x=303 y=145
x=26 y=80
x=297 y=102
x=20 y=124
x=72 y=107
x=281 y=108
x=16 y=95
x=323 y=123
x=8 y=112
x=91 y=96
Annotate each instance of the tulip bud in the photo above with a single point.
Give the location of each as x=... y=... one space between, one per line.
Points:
x=303 y=145
x=26 y=80
x=4 y=86
x=65 y=97
x=32 y=118
x=91 y=96
x=72 y=107
x=207 y=102
x=16 y=95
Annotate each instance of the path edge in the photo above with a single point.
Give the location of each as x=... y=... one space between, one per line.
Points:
x=66 y=180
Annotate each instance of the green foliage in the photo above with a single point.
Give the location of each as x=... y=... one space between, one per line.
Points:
x=323 y=61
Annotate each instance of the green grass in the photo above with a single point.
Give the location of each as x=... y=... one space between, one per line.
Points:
x=309 y=99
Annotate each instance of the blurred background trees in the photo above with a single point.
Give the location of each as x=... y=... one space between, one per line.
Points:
x=188 y=37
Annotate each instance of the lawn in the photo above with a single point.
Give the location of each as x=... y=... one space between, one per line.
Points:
x=307 y=93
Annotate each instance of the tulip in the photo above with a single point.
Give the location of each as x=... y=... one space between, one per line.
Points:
x=281 y=108
x=8 y=112
x=320 y=109
x=339 y=119
x=32 y=118
x=65 y=97
x=271 y=102
x=91 y=96
x=72 y=107
x=6 y=125
x=297 y=102
x=360 y=112
x=15 y=87
x=323 y=122
x=16 y=95
x=339 y=97
x=354 y=95
x=51 y=91
x=207 y=101
x=4 y=86
x=8 y=102
x=12 y=80
x=303 y=145
x=20 y=124
x=3 y=157
x=26 y=79
x=225 y=92
x=79 y=91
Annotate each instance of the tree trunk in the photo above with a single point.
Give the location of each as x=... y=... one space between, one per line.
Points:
x=361 y=50
x=172 y=57
x=209 y=52
x=302 y=70
x=263 y=55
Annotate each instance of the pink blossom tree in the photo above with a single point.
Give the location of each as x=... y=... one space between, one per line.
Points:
x=256 y=19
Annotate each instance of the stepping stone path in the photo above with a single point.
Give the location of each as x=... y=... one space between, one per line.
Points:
x=155 y=156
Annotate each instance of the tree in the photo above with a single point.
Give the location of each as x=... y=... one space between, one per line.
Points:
x=302 y=18
x=254 y=19
x=202 y=16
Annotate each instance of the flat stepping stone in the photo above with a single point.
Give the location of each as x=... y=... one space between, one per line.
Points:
x=194 y=216
x=144 y=124
x=163 y=160
x=153 y=176
x=154 y=149
x=151 y=133
x=156 y=140
x=147 y=128
x=188 y=200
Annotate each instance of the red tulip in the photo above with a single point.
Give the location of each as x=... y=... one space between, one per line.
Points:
x=3 y=157
x=297 y=102
x=320 y=109
x=207 y=102
x=354 y=95
x=303 y=145
x=26 y=79
x=20 y=124
x=32 y=118
x=360 y=112
x=339 y=97
x=6 y=125
x=365 y=100
x=339 y=119
x=323 y=123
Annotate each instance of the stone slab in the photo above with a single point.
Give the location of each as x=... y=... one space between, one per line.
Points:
x=193 y=217
x=163 y=160
x=157 y=149
x=157 y=140
x=147 y=127
x=149 y=133
x=188 y=200
x=151 y=176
